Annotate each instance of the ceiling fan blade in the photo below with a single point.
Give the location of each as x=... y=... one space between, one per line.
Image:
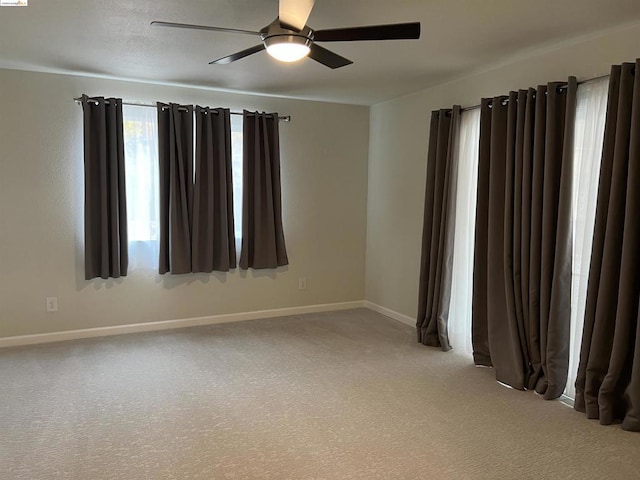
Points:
x=327 y=57
x=398 y=31
x=156 y=23
x=238 y=55
x=295 y=13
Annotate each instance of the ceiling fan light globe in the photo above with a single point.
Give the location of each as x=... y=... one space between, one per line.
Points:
x=287 y=46
x=288 y=52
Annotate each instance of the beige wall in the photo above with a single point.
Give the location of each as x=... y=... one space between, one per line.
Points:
x=398 y=146
x=327 y=215
x=324 y=171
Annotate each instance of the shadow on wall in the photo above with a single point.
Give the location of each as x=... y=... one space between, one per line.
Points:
x=167 y=281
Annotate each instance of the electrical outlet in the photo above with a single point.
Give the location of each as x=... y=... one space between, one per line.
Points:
x=302 y=283
x=52 y=304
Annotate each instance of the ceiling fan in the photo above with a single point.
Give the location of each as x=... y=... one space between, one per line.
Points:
x=288 y=38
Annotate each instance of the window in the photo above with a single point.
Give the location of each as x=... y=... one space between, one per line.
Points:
x=236 y=152
x=141 y=169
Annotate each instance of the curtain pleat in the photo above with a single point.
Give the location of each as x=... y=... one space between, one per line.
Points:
x=263 y=243
x=105 y=206
x=608 y=379
x=522 y=263
x=213 y=241
x=479 y=302
x=175 y=152
x=437 y=231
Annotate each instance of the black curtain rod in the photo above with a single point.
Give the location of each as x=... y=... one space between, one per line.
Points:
x=285 y=118
x=561 y=87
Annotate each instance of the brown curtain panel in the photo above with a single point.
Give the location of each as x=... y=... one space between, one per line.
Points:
x=105 y=205
x=262 y=234
x=213 y=240
x=608 y=380
x=523 y=244
x=175 y=152
x=437 y=230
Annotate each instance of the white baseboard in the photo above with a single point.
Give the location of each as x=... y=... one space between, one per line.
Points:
x=390 y=313
x=171 y=324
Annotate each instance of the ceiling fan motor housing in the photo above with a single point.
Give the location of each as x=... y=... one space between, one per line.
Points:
x=276 y=33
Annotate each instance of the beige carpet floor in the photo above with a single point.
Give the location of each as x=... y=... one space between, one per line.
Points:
x=345 y=395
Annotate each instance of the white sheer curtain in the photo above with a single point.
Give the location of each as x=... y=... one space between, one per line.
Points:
x=141 y=168
x=588 y=137
x=466 y=149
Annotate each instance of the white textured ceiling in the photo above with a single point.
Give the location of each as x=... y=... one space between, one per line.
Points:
x=113 y=38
